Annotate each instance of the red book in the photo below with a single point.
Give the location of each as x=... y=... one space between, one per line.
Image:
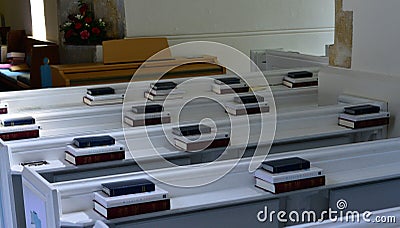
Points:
x=3 y=110
x=363 y=123
x=133 y=209
x=19 y=135
x=95 y=158
x=291 y=185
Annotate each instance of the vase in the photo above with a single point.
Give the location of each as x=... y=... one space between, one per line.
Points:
x=72 y=54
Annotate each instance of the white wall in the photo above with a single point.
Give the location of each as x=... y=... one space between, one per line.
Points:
x=375 y=69
x=301 y=25
x=376 y=35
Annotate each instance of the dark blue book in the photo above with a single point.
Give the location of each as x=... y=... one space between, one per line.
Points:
x=148 y=108
x=286 y=165
x=17 y=121
x=196 y=129
x=300 y=74
x=100 y=91
x=163 y=85
x=362 y=109
x=248 y=99
x=105 y=140
x=128 y=187
x=229 y=81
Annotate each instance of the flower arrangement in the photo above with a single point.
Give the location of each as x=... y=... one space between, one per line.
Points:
x=83 y=28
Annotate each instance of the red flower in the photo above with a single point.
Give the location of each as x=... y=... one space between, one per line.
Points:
x=84 y=7
x=96 y=31
x=85 y=35
x=69 y=33
x=78 y=26
x=88 y=20
x=71 y=17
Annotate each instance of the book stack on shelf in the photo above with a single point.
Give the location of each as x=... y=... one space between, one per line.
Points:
x=289 y=174
x=159 y=91
x=129 y=198
x=16 y=58
x=3 y=108
x=149 y=114
x=18 y=127
x=247 y=105
x=300 y=79
x=363 y=116
x=102 y=96
x=88 y=150
x=229 y=85
x=198 y=137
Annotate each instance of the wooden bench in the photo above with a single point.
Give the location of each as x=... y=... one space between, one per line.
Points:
x=122 y=58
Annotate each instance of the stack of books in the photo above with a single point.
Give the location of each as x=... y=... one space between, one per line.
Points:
x=300 y=79
x=16 y=58
x=88 y=150
x=159 y=91
x=247 y=105
x=289 y=174
x=363 y=116
x=198 y=137
x=145 y=115
x=129 y=198
x=3 y=108
x=229 y=85
x=102 y=96
x=21 y=127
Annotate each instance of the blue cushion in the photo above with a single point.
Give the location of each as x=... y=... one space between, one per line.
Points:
x=13 y=76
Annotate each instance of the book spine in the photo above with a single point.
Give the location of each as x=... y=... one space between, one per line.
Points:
x=148 y=187
x=287 y=168
x=299 y=184
x=18 y=122
x=94 y=143
x=300 y=84
x=19 y=135
x=371 y=123
x=89 y=159
x=137 y=209
x=3 y=110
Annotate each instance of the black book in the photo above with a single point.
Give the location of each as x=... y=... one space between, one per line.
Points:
x=93 y=141
x=163 y=85
x=100 y=91
x=286 y=165
x=128 y=187
x=197 y=129
x=150 y=108
x=17 y=121
x=300 y=74
x=229 y=81
x=362 y=109
x=249 y=99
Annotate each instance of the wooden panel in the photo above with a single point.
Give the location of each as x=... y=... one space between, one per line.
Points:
x=133 y=50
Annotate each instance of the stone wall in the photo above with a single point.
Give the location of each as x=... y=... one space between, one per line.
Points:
x=341 y=52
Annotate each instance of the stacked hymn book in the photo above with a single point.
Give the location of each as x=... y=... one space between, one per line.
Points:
x=88 y=150
x=129 y=198
x=102 y=96
x=148 y=114
x=198 y=137
x=289 y=174
x=3 y=109
x=229 y=85
x=247 y=105
x=18 y=127
x=160 y=91
x=300 y=79
x=363 y=116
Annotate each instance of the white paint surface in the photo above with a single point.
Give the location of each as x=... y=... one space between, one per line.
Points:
x=302 y=25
